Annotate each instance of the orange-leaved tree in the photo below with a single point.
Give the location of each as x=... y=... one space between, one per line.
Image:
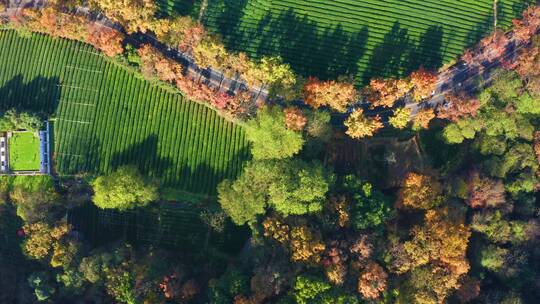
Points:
x=336 y=95
x=372 y=281
x=419 y=192
x=385 y=92
x=424 y=83
x=108 y=40
x=360 y=126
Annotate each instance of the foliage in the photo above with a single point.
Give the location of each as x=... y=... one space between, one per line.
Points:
x=497 y=229
x=270 y=136
x=370 y=207
x=336 y=95
x=123 y=189
x=305 y=245
x=484 y=192
x=12 y=120
x=422 y=118
x=372 y=281
x=233 y=283
x=107 y=40
x=56 y=23
x=318 y=125
x=43 y=288
x=400 y=119
x=385 y=92
x=210 y=52
x=271 y=72
x=359 y=126
x=458 y=107
x=419 y=192
x=493 y=257
x=291 y=187
x=134 y=15
x=42 y=238
x=294 y=119
x=307 y=289
x=121 y=285
x=424 y=83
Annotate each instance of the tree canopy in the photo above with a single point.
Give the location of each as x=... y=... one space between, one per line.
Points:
x=123 y=189
x=270 y=136
x=291 y=187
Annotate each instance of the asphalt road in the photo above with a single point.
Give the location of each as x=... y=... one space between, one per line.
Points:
x=458 y=77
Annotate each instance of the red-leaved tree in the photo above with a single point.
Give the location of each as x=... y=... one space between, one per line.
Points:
x=108 y=40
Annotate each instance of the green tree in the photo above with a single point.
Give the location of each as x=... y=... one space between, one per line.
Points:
x=12 y=120
x=401 y=118
x=123 y=189
x=270 y=137
x=291 y=187
x=306 y=289
x=121 y=285
x=370 y=207
x=493 y=257
x=42 y=285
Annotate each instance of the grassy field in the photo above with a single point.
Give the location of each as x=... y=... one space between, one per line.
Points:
x=106 y=116
x=365 y=38
x=24 y=152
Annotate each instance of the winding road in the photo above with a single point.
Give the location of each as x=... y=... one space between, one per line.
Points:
x=458 y=77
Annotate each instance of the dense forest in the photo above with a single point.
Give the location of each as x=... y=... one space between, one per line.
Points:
x=414 y=189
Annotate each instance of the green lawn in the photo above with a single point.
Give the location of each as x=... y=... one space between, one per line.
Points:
x=24 y=152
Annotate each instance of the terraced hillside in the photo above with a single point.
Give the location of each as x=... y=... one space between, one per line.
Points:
x=365 y=38
x=106 y=116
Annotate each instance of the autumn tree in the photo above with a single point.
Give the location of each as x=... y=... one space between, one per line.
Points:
x=154 y=64
x=318 y=125
x=108 y=40
x=42 y=238
x=270 y=136
x=271 y=72
x=56 y=23
x=498 y=229
x=359 y=126
x=436 y=256
x=419 y=192
x=372 y=281
x=484 y=191
x=134 y=15
x=176 y=31
x=210 y=52
x=458 y=107
x=424 y=83
x=422 y=118
x=525 y=28
x=494 y=46
x=294 y=118
x=336 y=95
x=527 y=65
x=401 y=118
x=123 y=189
x=385 y=92
x=305 y=245
x=469 y=289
